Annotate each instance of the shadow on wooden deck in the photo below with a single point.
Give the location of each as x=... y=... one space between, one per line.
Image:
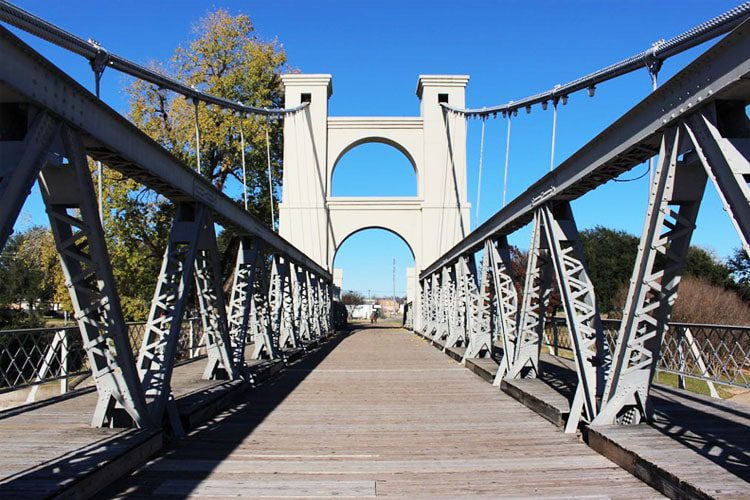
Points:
x=695 y=446
x=239 y=420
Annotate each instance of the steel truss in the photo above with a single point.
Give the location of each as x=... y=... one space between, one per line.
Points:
x=68 y=194
x=280 y=334
x=536 y=292
x=41 y=139
x=23 y=154
x=479 y=339
x=712 y=143
x=465 y=298
x=446 y=309
x=590 y=348
x=265 y=331
x=186 y=259
x=242 y=312
x=301 y=305
x=500 y=292
x=212 y=306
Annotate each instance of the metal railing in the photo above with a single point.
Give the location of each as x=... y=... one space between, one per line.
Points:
x=36 y=356
x=717 y=354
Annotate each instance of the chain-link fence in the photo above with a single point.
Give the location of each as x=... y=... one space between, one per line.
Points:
x=39 y=355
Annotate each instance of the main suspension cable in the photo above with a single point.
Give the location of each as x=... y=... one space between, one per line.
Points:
x=659 y=51
x=92 y=50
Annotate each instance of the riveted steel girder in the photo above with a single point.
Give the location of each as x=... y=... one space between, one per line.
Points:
x=68 y=195
x=590 y=349
x=536 y=292
x=241 y=307
x=670 y=220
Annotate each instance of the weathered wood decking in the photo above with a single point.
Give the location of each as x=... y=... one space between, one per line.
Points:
x=695 y=447
x=379 y=413
x=49 y=447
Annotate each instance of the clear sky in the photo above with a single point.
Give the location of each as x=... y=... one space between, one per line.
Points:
x=376 y=49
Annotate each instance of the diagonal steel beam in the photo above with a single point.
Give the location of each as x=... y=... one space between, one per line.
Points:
x=590 y=349
x=670 y=220
x=21 y=160
x=68 y=195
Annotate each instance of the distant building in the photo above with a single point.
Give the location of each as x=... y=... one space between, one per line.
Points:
x=389 y=307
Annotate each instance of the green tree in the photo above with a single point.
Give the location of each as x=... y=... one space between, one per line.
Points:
x=739 y=266
x=225 y=58
x=30 y=275
x=610 y=255
x=704 y=265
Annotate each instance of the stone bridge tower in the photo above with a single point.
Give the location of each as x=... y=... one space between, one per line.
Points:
x=434 y=143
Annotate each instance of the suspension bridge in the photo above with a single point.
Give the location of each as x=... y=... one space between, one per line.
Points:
x=268 y=392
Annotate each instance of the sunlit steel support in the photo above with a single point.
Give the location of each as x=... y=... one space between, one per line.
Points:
x=721 y=136
x=69 y=197
x=158 y=351
x=479 y=336
x=502 y=297
x=446 y=304
x=22 y=153
x=327 y=309
x=313 y=301
x=240 y=314
x=301 y=304
x=672 y=211
x=280 y=304
x=212 y=306
x=426 y=312
x=590 y=349
x=465 y=303
x=536 y=293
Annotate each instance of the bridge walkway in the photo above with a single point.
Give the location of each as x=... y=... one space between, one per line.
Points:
x=379 y=412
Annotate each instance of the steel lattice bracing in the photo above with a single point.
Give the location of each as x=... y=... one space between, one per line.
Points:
x=68 y=195
x=21 y=161
x=504 y=301
x=536 y=292
x=465 y=297
x=212 y=306
x=157 y=355
x=479 y=338
x=242 y=317
x=590 y=349
x=673 y=208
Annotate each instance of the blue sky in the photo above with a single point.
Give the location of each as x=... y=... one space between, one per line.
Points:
x=376 y=50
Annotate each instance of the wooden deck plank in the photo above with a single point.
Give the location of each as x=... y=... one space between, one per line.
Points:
x=383 y=408
x=49 y=446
